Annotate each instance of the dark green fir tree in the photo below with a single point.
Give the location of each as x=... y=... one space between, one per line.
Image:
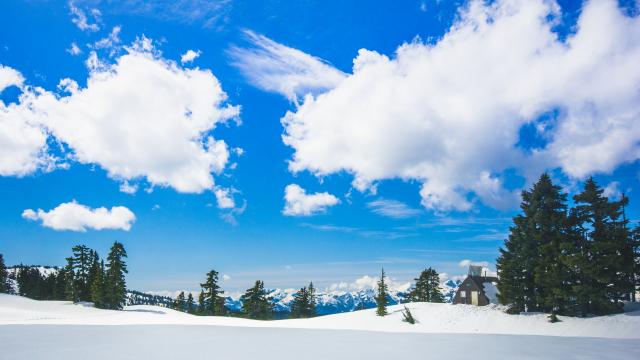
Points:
x=70 y=290
x=529 y=266
x=255 y=303
x=304 y=303
x=98 y=286
x=180 y=303
x=190 y=304
x=606 y=256
x=4 y=277
x=115 y=284
x=201 y=303
x=381 y=297
x=212 y=301
x=83 y=262
x=427 y=288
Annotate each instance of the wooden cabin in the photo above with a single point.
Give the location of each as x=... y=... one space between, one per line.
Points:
x=477 y=289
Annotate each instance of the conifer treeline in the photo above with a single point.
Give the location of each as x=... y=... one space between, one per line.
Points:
x=304 y=302
x=575 y=260
x=85 y=278
x=255 y=303
x=5 y=287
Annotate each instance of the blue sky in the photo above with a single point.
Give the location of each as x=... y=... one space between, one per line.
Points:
x=401 y=131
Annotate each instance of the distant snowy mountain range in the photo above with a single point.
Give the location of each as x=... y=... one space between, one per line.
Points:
x=326 y=302
x=339 y=302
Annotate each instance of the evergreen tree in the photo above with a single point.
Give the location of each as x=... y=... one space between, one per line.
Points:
x=94 y=269
x=5 y=286
x=115 y=285
x=381 y=297
x=606 y=257
x=407 y=316
x=180 y=302
x=98 y=287
x=213 y=302
x=60 y=285
x=427 y=288
x=548 y=227
x=635 y=237
x=298 y=304
x=529 y=267
x=190 y=304
x=255 y=303
x=83 y=259
x=201 y=303
x=70 y=291
x=304 y=303
x=568 y=261
x=310 y=309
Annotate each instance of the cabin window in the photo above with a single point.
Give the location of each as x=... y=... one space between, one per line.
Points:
x=463 y=294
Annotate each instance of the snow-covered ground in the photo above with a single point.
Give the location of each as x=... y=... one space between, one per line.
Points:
x=57 y=329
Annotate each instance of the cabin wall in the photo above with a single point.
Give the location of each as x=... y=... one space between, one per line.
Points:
x=467 y=286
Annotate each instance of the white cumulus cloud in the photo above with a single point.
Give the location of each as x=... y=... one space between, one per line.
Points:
x=23 y=146
x=274 y=67
x=189 y=56
x=484 y=264
x=9 y=77
x=299 y=203
x=368 y=282
x=224 y=197
x=77 y=217
x=449 y=114
x=140 y=118
x=612 y=190
x=82 y=21
x=74 y=49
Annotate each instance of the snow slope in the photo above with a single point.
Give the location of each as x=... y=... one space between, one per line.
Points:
x=32 y=329
x=433 y=318
x=138 y=342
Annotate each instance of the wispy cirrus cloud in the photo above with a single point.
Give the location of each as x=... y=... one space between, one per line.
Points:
x=367 y=233
x=274 y=67
x=204 y=13
x=392 y=208
x=82 y=21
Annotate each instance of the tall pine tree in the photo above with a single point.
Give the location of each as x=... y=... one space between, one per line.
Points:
x=427 y=288
x=530 y=273
x=83 y=261
x=568 y=261
x=190 y=304
x=180 y=303
x=98 y=286
x=304 y=303
x=381 y=297
x=115 y=285
x=201 y=304
x=635 y=243
x=255 y=303
x=213 y=302
x=606 y=258
x=5 y=287
x=70 y=290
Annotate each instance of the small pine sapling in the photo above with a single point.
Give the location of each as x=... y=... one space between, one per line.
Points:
x=407 y=316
